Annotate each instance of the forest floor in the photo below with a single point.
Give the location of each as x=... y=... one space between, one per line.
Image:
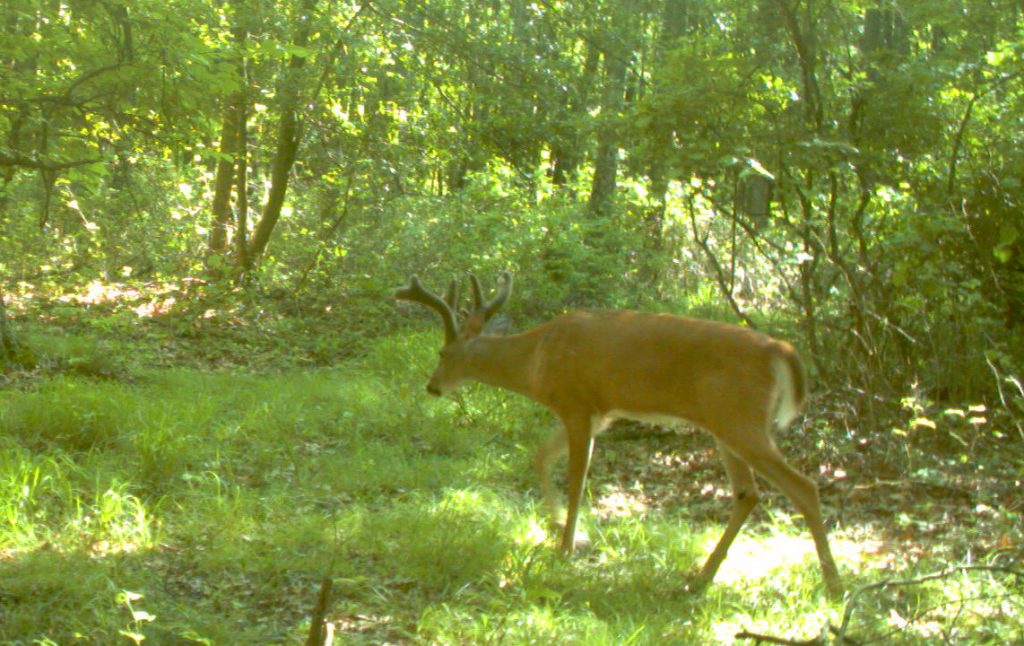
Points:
x=183 y=470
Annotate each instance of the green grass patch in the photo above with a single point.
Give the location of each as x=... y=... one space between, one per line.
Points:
x=189 y=506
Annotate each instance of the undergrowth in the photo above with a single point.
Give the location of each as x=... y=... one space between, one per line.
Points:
x=206 y=506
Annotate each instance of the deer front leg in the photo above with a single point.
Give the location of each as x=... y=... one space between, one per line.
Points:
x=580 y=443
x=553 y=448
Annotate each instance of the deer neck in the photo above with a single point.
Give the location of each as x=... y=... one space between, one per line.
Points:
x=504 y=361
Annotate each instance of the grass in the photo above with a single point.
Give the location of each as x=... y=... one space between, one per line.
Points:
x=200 y=506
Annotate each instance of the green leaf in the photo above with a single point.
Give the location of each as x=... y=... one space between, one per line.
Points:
x=995 y=59
x=298 y=51
x=1008 y=236
x=138 y=638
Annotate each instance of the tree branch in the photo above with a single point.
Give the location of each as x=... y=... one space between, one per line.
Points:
x=851 y=600
x=43 y=164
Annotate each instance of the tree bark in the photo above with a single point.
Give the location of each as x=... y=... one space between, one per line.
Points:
x=565 y=149
x=675 y=24
x=231 y=167
x=225 y=179
x=606 y=159
x=289 y=136
x=8 y=344
x=242 y=184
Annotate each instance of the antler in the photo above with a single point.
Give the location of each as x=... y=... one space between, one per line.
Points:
x=415 y=292
x=451 y=296
x=495 y=303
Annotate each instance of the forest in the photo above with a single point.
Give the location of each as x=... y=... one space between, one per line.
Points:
x=213 y=422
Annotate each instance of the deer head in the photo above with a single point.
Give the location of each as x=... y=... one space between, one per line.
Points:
x=457 y=357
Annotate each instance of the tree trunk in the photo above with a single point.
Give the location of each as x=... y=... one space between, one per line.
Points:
x=242 y=184
x=289 y=136
x=675 y=24
x=8 y=344
x=565 y=148
x=804 y=40
x=225 y=179
x=231 y=166
x=606 y=159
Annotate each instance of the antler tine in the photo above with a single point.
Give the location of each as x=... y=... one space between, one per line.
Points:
x=478 y=299
x=504 y=291
x=492 y=306
x=416 y=292
x=451 y=296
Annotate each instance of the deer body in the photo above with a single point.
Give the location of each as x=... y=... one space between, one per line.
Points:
x=581 y=359
x=589 y=367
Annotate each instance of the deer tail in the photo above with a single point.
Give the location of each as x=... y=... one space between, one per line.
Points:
x=791 y=384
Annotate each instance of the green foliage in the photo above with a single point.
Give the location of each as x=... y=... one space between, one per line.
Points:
x=201 y=440
x=69 y=354
x=889 y=154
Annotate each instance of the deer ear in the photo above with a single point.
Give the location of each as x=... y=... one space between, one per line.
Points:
x=499 y=326
x=473 y=325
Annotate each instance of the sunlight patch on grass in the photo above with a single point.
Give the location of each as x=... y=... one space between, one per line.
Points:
x=619 y=503
x=448 y=624
x=530 y=534
x=787 y=558
x=115 y=522
x=753 y=558
x=437 y=542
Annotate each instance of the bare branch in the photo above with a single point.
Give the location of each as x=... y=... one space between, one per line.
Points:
x=43 y=164
x=851 y=600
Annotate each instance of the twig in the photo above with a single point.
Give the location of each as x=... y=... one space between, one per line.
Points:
x=723 y=285
x=1002 y=395
x=769 y=639
x=814 y=641
x=852 y=599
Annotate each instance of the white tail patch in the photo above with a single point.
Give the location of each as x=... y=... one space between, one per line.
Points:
x=786 y=407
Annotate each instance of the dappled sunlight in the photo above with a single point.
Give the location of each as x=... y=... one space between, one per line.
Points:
x=144 y=300
x=531 y=534
x=116 y=523
x=155 y=307
x=621 y=503
x=754 y=557
x=98 y=292
x=802 y=622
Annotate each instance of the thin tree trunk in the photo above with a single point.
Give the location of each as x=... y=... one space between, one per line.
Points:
x=233 y=143
x=565 y=149
x=674 y=25
x=221 y=207
x=606 y=159
x=8 y=344
x=289 y=136
x=242 y=184
x=804 y=42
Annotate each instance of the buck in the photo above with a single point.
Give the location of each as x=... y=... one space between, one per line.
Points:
x=589 y=367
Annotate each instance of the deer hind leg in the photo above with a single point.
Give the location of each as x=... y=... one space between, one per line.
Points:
x=761 y=453
x=744 y=499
